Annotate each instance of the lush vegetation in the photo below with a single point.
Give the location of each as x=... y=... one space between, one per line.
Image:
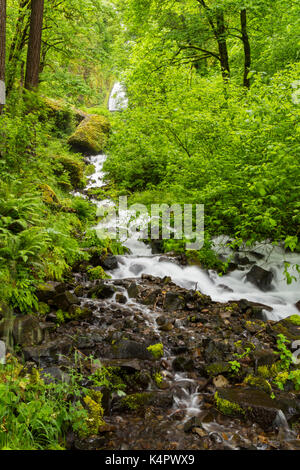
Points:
x=213 y=118
x=198 y=132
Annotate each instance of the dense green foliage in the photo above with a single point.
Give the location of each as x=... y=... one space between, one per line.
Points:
x=213 y=118
x=188 y=136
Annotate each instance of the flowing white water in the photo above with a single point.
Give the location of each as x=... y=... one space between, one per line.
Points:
x=118 y=98
x=282 y=298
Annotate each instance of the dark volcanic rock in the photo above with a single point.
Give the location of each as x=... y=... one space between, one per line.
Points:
x=173 y=301
x=253 y=404
x=133 y=290
x=260 y=278
x=48 y=353
x=64 y=300
x=27 y=331
x=289 y=327
x=109 y=262
x=47 y=291
x=183 y=364
x=126 y=349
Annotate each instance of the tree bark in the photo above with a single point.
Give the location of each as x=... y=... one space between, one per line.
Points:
x=222 y=45
x=2 y=53
x=217 y=24
x=18 y=43
x=34 y=45
x=247 y=48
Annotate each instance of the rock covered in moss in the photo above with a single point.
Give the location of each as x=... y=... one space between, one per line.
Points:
x=91 y=136
x=253 y=404
x=27 y=331
x=289 y=327
x=73 y=167
x=49 y=196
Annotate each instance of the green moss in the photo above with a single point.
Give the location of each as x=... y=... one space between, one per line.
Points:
x=136 y=401
x=227 y=407
x=91 y=135
x=158 y=379
x=77 y=313
x=217 y=368
x=294 y=319
x=89 y=170
x=95 y=419
x=43 y=308
x=97 y=273
x=268 y=372
x=258 y=382
x=73 y=167
x=49 y=196
x=157 y=350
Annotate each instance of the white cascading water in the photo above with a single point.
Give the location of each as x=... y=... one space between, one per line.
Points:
x=118 y=98
x=282 y=298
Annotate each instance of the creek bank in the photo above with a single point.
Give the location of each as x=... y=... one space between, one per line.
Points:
x=200 y=338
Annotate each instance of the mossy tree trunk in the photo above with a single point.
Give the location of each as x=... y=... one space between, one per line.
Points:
x=247 y=48
x=2 y=53
x=18 y=43
x=34 y=45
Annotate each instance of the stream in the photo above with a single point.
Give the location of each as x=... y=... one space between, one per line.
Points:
x=190 y=344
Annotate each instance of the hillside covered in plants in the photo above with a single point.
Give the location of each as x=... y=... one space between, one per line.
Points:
x=113 y=345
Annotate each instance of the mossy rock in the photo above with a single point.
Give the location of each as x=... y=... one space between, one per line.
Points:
x=97 y=273
x=74 y=168
x=217 y=368
x=91 y=135
x=49 y=196
x=289 y=327
x=62 y=115
x=259 y=383
x=255 y=405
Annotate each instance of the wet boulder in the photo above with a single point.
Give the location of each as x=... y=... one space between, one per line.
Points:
x=192 y=423
x=183 y=364
x=242 y=260
x=54 y=375
x=139 y=401
x=91 y=136
x=173 y=301
x=102 y=291
x=64 y=300
x=263 y=357
x=126 y=349
x=297 y=305
x=260 y=277
x=149 y=297
x=108 y=262
x=47 y=353
x=255 y=405
x=121 y=298
x=47 y=291
x=289 y=327
x=27 y=331
x=133 y=290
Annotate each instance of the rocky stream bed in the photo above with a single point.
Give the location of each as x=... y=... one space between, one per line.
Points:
x=175 y=350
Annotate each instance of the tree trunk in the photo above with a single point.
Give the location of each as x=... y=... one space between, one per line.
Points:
x=217 y=24
x=18 y=43
x=222 y=44
x=34 y=45
x=2 y=53
x=247 y=49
